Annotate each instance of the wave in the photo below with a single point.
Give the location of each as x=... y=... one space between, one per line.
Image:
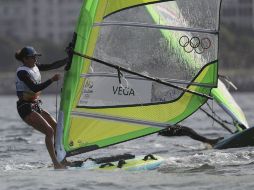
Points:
x=208 y=160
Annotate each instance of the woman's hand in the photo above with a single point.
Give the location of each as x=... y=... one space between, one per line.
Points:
x=56 y=77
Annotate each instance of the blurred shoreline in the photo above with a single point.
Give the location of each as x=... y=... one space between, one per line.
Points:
x=243 y=79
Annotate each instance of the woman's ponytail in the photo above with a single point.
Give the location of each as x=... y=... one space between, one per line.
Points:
x=18 y=55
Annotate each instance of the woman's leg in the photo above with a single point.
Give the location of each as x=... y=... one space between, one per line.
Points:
x=39 y=123
x=52 y=123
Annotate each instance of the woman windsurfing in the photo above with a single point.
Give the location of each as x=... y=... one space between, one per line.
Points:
x=28 y=89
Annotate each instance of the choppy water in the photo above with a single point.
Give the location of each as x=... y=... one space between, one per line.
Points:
x=24 y=161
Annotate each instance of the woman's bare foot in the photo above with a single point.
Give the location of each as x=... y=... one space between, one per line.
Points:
x=59 y=166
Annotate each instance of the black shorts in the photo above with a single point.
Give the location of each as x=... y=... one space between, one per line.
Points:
x=25 y=108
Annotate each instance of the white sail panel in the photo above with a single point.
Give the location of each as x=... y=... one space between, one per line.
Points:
x=132 y=90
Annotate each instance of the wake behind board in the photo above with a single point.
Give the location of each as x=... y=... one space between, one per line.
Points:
x=121 y=162
x=240 y=139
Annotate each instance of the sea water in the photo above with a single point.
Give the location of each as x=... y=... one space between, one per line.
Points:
x=25 y=163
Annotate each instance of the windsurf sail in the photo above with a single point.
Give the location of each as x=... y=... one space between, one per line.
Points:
x=226 y=101
x=137 y=67
x=220 y=94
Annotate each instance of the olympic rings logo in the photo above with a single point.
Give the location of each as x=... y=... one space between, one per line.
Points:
x=195 y=43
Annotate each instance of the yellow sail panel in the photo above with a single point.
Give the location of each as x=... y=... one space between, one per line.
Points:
x=114 y=6
x=90 y=131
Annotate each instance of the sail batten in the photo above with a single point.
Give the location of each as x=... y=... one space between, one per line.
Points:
x=156 y=26
x=105 y=117
x=176 y=81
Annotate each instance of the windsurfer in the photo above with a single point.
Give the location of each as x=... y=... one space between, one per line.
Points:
x=28 y=89
x=179 y=130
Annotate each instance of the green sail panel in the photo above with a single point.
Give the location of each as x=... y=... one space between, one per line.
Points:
x=103 y=106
